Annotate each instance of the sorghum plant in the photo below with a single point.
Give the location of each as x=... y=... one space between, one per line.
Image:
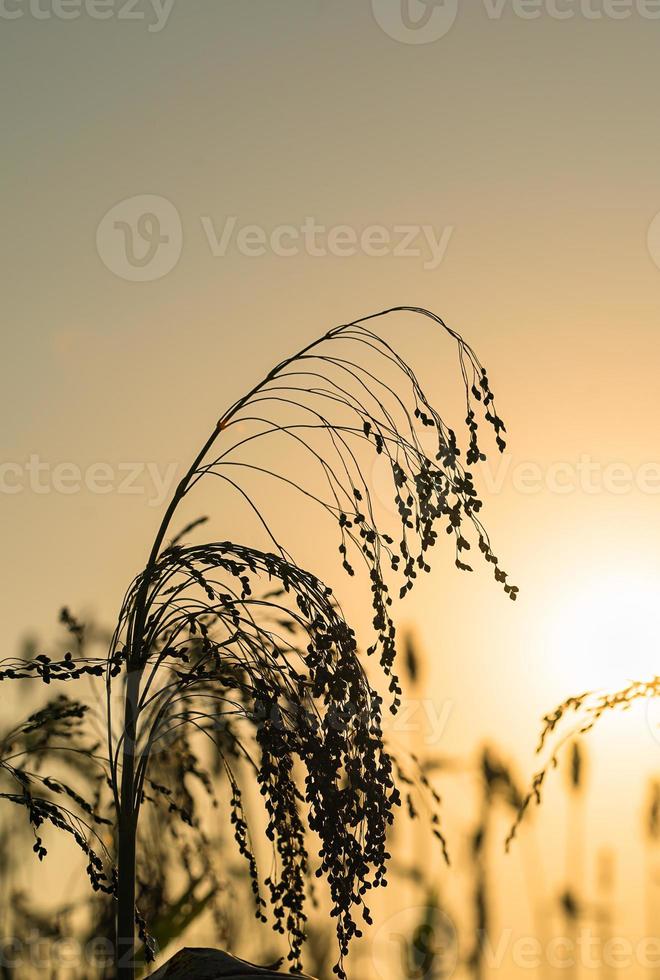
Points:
x=240 y=647
x=587 y=708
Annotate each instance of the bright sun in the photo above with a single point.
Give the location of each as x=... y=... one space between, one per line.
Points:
x=607 y=632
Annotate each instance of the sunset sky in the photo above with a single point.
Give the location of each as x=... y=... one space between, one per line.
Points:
x=291 y=153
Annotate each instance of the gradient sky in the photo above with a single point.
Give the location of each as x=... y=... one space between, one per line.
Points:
x=533 y=145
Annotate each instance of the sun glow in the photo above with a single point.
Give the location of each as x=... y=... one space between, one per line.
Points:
x=606 y=632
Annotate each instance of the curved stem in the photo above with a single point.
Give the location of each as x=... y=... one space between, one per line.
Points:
x=137 y=656
x=128 y=806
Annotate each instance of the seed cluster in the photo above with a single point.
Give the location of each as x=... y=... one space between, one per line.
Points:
x=241 y=648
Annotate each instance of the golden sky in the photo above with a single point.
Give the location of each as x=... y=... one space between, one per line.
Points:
x=287 y=151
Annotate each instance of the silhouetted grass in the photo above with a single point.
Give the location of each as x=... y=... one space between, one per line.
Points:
x=224 y=644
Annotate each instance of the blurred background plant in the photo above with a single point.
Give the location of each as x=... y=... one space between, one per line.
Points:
x=199 y=890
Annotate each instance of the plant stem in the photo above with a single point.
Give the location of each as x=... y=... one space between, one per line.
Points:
x=129 y=807
x=127 y=842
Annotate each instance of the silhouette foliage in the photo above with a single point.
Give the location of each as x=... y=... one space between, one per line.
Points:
x=239 y=648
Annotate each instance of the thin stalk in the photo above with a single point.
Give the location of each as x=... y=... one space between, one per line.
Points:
x=129 y=806
x=127 y=842
x=128 y=802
